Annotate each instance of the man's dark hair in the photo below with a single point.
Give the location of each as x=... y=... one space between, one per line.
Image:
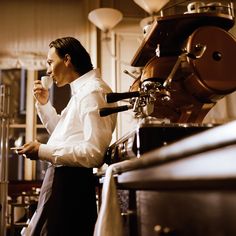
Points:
x=79 y=56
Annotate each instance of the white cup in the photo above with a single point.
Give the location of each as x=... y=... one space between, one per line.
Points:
x=46 y=81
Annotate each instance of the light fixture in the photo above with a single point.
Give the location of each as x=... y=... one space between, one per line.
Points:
x=146 y=23
x=151 y=6
x=154 y=8
x=105 y=18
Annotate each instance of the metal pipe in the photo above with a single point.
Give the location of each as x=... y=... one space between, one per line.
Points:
x=4 y=137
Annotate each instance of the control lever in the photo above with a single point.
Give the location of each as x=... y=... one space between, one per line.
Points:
x=110 y=110
x=198 y=53
x=131 y=75
x=169 y=79
x=114 y=97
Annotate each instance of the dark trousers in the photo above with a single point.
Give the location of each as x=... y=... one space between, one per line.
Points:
x=71 y=208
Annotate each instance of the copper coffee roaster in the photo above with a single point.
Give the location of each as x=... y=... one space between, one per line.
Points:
x=195 y=65
x=190 y=60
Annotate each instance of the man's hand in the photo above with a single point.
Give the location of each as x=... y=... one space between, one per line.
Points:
x=30 y=150
x=41 y=94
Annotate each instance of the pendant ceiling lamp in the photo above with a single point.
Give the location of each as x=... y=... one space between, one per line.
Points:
x=105 y=18
x=151 y=6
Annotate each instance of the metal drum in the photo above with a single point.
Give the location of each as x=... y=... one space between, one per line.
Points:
x=212 y=76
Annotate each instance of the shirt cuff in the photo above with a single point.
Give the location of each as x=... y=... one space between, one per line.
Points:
x=46 y=153
x=42 y=106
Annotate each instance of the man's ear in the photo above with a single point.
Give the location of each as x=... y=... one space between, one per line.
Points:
x=67 y=59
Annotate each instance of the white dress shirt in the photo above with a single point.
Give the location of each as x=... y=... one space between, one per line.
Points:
x=78 y=136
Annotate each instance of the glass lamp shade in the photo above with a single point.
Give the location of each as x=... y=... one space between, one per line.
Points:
x=151 y=6
x=147 y=22
x=105 y=18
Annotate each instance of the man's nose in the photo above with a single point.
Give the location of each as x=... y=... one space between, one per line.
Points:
x=48 y=71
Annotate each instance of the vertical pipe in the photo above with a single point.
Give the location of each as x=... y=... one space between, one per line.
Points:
x=4 y=121
x=30 y=132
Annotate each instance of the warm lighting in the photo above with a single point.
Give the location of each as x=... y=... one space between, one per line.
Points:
x=146 y=23
x=151 y=6
x=105 y=18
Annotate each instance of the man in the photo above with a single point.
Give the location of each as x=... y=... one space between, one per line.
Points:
x=77 y=143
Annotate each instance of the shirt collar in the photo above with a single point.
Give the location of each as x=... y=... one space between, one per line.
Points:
x=79 y=82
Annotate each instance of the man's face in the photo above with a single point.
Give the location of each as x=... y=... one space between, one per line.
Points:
x=56 y=68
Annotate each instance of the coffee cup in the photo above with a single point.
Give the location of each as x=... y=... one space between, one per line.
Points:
x=46 y=82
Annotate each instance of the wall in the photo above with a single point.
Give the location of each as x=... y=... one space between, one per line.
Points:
x=28 y=26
